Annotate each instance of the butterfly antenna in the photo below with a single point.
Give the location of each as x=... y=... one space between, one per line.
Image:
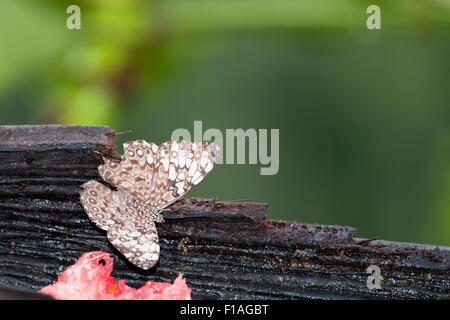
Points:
x=124 y=132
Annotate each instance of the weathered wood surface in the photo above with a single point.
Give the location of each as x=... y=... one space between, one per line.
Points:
x=224 y=249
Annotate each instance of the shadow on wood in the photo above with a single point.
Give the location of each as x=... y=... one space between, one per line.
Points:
x=225 y=250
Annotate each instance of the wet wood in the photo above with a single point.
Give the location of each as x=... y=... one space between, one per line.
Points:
x=224 y=249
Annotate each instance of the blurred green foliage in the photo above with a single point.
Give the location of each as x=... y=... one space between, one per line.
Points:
x=363 y=115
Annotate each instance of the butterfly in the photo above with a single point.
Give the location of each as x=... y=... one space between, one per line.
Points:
x=148 y=178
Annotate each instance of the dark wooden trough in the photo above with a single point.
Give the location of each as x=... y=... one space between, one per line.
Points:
x=225 y=250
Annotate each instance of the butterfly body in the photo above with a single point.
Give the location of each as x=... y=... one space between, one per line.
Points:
x=148 y=179
x=140 y=208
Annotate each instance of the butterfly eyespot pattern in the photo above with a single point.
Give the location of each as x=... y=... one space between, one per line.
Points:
x=148 y=178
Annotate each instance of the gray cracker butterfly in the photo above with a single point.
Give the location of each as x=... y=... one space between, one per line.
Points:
x=148 y=179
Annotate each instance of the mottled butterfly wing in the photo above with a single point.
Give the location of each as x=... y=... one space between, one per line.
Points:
x=116 y=175
x=103 y=206
x=135 y=170
x=139 y=160
x=179 y=166
x=130 y=232
x=137 y=240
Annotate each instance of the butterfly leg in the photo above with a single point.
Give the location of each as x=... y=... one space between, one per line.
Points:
x=158 y=217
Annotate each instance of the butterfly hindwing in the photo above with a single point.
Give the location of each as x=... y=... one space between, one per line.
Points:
x=103 y=206
x=137 y=240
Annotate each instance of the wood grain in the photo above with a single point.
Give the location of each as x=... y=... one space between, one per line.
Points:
x=225 y=250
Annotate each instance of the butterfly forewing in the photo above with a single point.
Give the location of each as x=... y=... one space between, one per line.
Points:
x=148 y=179
x=116 y=175
x=139 y=160
x=180 y=165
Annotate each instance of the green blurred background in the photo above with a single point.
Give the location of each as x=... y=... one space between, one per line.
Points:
x=364 y=115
